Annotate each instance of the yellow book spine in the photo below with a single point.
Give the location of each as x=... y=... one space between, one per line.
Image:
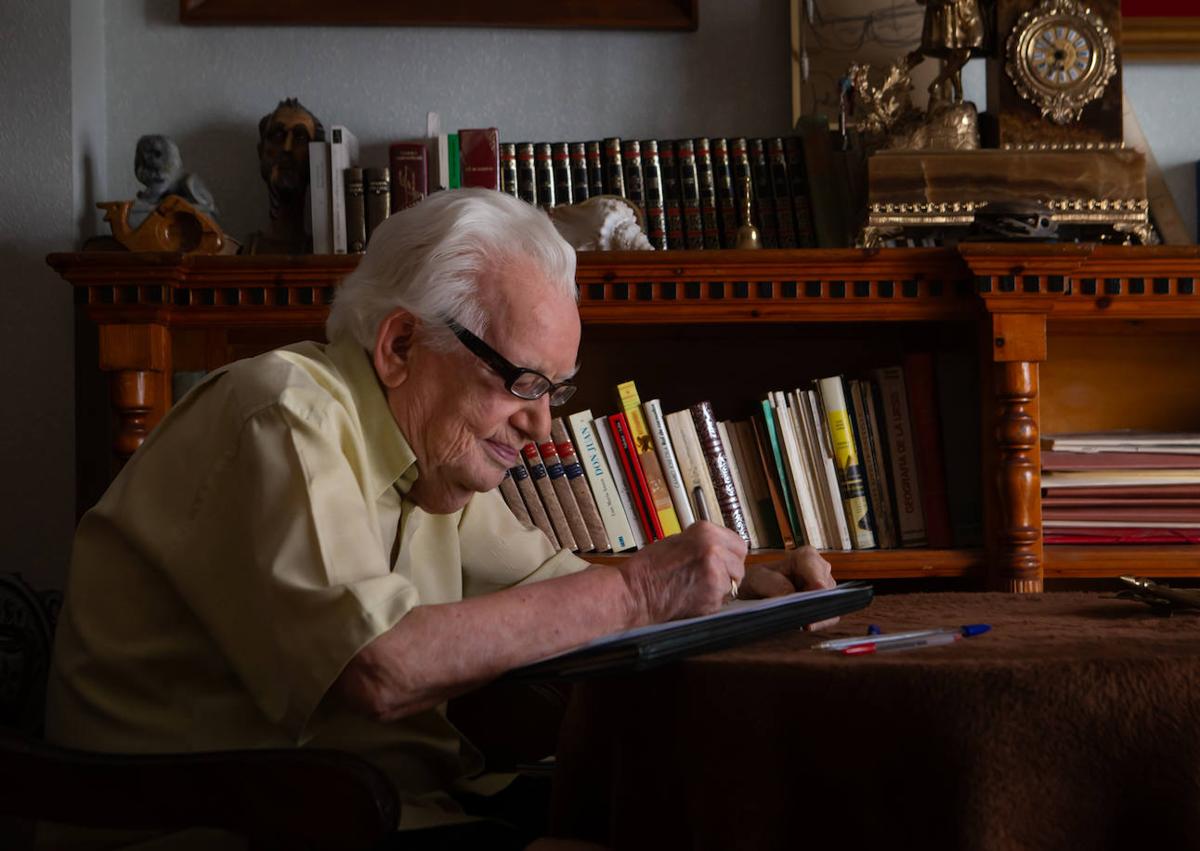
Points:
x=845 y=458
x=631 y=404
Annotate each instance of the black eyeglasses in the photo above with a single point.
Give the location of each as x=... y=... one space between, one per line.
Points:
x=519 y=381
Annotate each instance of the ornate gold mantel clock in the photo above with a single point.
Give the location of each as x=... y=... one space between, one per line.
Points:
x=1054 y=77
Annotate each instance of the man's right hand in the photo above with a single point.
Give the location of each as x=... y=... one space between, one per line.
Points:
x=686 y=574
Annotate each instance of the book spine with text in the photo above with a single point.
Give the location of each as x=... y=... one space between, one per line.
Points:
x=910 y=516
x=526 y=173
x=479 y=153
x=773 y=448
x=595 y=169
x=635 y=188
x=356 y=212
x=343 y=153
x=603 y=434
x=727 y=213
x=874 y=466
x=508 y=169
x=512 y=498
x=577 y=480
x=739 y=487
x=643 y=443
x=554 y=510
x=594 y=461
x=614 y=167
x=743 y=180
x=656 y=219
x=851 y=481
x=718 y=468
x=566 y=496
x=543 y=172
x=580 y=190
x=781 y=190
x=318 y=193
x=801 y=464
x=408 y=163
x=671 y=201
x=764 y=193
x=818 y=432
x=533 y=503
x=689 y=194
x=670 y=464
x=560 y=160
x=706 y=180
x=639 y=489
x=378 y=202
x=692 y=466
x=454 y=160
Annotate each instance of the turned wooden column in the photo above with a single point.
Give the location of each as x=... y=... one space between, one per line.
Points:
x=1018 y=347
x=138 y=358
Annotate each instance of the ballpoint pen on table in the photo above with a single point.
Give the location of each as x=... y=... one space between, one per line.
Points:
x=906 y=644
x=881 y=640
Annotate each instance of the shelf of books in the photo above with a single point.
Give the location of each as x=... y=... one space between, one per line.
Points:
x=849 y=392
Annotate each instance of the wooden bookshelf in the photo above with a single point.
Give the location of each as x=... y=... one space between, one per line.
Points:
x=1051 y=327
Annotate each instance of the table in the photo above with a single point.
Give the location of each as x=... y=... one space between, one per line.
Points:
x=1074 y=723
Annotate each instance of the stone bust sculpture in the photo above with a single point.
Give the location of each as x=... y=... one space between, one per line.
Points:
x=159 y=168
x=283 y=137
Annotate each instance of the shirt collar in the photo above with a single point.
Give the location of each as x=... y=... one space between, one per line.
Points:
x=392 y=461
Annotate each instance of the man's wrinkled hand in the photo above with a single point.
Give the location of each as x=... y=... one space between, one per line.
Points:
x=802 y=569
x=686 y=574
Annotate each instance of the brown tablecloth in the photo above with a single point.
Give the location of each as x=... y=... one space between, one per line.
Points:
x=1073 y=724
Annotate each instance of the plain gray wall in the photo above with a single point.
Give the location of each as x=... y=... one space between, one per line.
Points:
x=82 y=79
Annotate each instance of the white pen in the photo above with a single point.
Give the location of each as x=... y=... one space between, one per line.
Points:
x=966 y=631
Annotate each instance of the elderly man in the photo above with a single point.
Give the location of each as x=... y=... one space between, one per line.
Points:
x=310 y=548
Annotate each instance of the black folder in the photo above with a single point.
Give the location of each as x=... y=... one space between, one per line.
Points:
x=739 y=622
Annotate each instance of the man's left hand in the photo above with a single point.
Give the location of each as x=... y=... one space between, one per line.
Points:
x=801 y=569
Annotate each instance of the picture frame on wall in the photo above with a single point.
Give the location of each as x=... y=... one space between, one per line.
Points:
x=602 y=14
x=1160 y=30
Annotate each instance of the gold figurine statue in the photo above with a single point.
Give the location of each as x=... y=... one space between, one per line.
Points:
x=952 y=30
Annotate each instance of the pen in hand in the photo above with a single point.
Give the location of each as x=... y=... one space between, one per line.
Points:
x=702 y=513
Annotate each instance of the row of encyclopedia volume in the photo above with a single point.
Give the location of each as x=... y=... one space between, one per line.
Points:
x=688 y=191
x=847 y=463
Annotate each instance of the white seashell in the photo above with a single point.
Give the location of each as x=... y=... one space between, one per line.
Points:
x=602 y=223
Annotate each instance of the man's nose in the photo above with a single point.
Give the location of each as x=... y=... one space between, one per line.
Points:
x=289 y=141
x=533 y=419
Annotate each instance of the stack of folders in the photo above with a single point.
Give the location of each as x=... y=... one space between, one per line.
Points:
x=841 y=464
x=1121 y=487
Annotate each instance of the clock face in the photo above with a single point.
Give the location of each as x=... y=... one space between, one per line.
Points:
x=1061 y=57
x=1061 y=53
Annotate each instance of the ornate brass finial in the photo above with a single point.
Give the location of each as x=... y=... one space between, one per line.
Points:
x=747 y=233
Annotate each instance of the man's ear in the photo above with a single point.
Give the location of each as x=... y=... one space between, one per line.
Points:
x=393 y=347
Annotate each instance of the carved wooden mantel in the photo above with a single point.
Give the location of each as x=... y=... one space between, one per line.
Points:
x=144 y=303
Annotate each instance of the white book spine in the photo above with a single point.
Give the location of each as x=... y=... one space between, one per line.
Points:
x=739 y=486
x=600 y=429
x=343 y=153
x=692 y=465
x=814 y=468
x=318 y=190
x=657 y=425
x=797 y=467
x=604 y=488
x=829 y=482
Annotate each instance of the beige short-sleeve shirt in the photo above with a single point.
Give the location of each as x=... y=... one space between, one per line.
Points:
x=256 y=542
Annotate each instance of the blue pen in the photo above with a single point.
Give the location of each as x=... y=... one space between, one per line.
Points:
x=966 y=631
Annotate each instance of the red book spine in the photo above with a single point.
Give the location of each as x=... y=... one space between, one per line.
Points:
x=479 y=151
x=408 y=163
x=642 y=499
x=927 y=434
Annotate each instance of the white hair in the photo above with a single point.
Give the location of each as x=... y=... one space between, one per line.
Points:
x=430 y=259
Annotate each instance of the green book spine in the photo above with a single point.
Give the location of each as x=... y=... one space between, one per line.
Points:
x=455 y=165
x=773 y=436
